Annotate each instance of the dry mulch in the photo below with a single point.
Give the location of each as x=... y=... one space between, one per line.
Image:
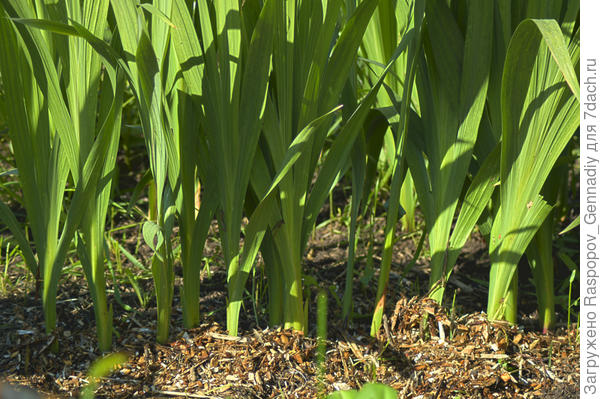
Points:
x=437 y=356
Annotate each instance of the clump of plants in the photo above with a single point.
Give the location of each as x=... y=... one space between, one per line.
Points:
x=251 y=112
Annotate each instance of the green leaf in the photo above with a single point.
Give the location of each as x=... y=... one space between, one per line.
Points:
x=414 y=39
x=152 y=9
x=477 y=198
x=8 y=218
x=102 y=368
x=368 y=391
x=571 y=226
x=452 y=90
x=153 y=235
x=265 y=215
x=340 y=149
x=540 y=113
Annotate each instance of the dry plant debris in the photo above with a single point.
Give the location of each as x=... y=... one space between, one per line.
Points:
x=421 y=352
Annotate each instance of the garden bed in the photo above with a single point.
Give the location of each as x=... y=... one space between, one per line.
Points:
x=423 y=350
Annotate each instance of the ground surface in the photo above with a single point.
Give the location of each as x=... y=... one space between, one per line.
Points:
x=454 y=352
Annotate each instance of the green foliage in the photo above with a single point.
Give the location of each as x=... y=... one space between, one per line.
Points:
x=452 y=90
x=234 y=77
x=307 y=85
x=368 y=391
x=102 y=368
x=539 y=116
x=414 y=38
x=255 y=110
x=72 y=132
